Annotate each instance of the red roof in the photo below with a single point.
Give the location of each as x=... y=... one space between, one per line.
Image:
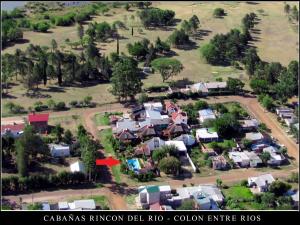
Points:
x=181 y=114
x=13 y=127
x=38 y=117
x=170 y=105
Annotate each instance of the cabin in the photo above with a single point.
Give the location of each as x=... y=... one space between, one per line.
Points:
x=39 y=122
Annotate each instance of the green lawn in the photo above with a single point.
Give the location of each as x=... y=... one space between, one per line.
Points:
x=238 y=192
x=101 y=120
x=104 y=139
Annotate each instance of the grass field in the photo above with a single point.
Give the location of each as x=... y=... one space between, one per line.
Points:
x=277 y=40
x=238 y=192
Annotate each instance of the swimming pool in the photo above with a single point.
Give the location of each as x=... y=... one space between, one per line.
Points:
x=134 y=164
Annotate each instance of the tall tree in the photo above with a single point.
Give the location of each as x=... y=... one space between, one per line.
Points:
x=80 y=32
x=58 y=59
x=125 y=79
x=7 y=69
x=53 y=45
x=167 y=67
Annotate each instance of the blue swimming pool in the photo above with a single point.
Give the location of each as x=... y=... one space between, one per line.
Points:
x=134 y=164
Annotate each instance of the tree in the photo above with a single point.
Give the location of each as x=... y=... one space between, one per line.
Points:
x=87 y=100
x=161 y=46
x=268 y=200
x=279 y=188
x=143 y=98
x=178 y=38
x=219 y=12
x=51 y=103
x=138 y=50
x=169 y=165
x=125 y=79
x=53 y=45
x=226 y=125
x=80 y=32
x=88 y=154
x=68 y=137
x=210 y=52
x=22 y=159
x=251 y=59
x=7 y=69
x=195 y=23
x=186 y=26
x=235 y=85
x=267 y=102
x=81 y=131
x=287 y=8
x=188 y=204
x=219 y=182
x=259 y=86
x=265 y=157
x=199 y=105
x=295 y=13
x=127 y=6
x=58 y=58
x=57 y=131
x=167 y=67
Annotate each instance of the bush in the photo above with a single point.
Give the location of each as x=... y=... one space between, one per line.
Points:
x=60 y=106
x=169 y=165
x=219 y=12
x=41 y=27
x=143 y=98
x=73 y=103
x=14 y=108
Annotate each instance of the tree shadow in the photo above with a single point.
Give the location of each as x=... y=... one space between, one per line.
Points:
x=56 y=89
x=190 y=46
x=181 y=83
x=201 y=33
x=36 y=94
x=252 y=3
x=8 y=96
x=256 y=31
x=19 y=41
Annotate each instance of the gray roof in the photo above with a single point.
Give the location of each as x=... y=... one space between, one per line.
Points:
x=254 y=136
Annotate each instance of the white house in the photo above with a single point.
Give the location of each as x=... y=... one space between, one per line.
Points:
x=276 y=158
x=239 y=158
x=255 y=137
x=187 y=139
x=77 y=167
x=85 y=204
x=261 y=183
x=254 y=159
x=153 y=106
x=148 y=146
x=206 y=135
x=283 y=110
x=248 y=125
x=206 y=114
x=59 y=150
x=149 y=195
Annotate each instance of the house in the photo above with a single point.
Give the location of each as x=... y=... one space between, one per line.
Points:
x=39 y=122
x=239 y=158
x=202 y=200
x=187 y=139
x=147 y=132
x=59 y=150
x=179 y=117
x=165 y=191
x=174 y=130
x=290 y=121
x=126 y=136
x=179 y=145
x=276 y=159
x=280 y=111
x=212 y=86
x=206 y=135
x=129 y=124
x=286 y=115
x=255 y=137
x=85 y=204
x=13 y=130
x=149 y=195
x=249 y=125
x=150 y=145
x=198 y=88
x=77 y=167
x=138 y=113
x=206 y=114
x=261 y=183
x=219 y=162
x=157 y=106
x=157 y=119
x=255 y=161
x=171 y=107
x=258 y=148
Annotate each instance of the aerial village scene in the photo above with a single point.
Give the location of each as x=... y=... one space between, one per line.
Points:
x=150 y=105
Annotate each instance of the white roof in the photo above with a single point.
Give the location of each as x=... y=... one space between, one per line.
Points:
x=153 y=105
x=238 y=156
x=59 y=147
x=295 y=196
x=179 y=145
x=204 y=133
x=250 y=123
x=83 y=204
x=254 y=136
x=206 y=114
x=261 y=180
x=164 y=188
x=296 y=125
x=186 y=138
x=212 y=191
x=63 y=205
x=199 y=87
x=77 y=167
x=45 y=206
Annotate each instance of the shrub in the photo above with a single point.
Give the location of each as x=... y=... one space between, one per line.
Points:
x=169 y=165
x=14 y=108
x=219 y=12
x=73 y=103
x=41 y=27
x=60 y=106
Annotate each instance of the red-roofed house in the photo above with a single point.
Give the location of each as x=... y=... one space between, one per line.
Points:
x=39 y=122
x=171 y=107
x=14 y=130
x=179 y=117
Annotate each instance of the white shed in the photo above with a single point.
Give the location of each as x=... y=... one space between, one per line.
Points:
x=59 y=150
x=77 y=167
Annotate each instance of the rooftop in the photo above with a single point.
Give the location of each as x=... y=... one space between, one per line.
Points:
x=12 y=127
x=254 y=136
x=179 y=145
x=38 y=117
x=205 y=133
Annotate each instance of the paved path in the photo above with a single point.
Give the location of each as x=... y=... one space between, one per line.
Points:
x=116 y=194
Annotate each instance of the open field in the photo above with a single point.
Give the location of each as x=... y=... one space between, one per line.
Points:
x=277 y=40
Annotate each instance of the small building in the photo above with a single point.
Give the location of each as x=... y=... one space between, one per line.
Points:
x=179 y=117
x=77 y=167
x=63 y=206
x=150 y=145
x=290 y=121
x=12 y=130
x=255 y=137
x=261 y=183
x=202 y=200
x=138 y=113
x=258 y=148
x=157 y=119
x=206 y=135
x=206 y=114
x=39 y=122
x=157 y=106
x=286 y=115
x=175 y=130
x=147 y=132
x=187 y=139
x=255 y=161
x=84 y=204
x=171 y=107
x=211 y=86
x=239 y=158
x=219 y=162
x=126 y=136
x=59 y=150
x=280 y=111
x=149 y=195
x=198 y=88
x=249 y=125
x=276 y=159
x=46 y=206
